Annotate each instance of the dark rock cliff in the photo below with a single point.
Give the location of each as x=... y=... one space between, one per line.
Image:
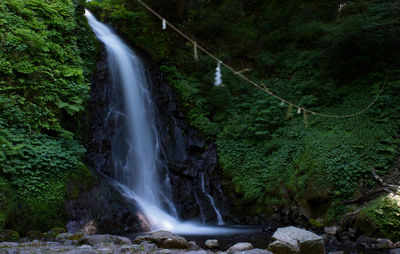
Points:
x=186 y=159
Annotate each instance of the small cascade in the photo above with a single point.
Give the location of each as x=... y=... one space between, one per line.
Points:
x=217 y=212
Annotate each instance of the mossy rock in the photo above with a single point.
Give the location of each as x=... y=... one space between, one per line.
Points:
x=55 y=232
x=381 y=217
x=9 y=235
x=77 y=236
x=34 y=235
x=318 y=223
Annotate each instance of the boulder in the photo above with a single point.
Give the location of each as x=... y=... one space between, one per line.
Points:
x=382 y=243
x=196 y=252
x=165 y=239
x=193 y=246
x=280 y=247
x=296 y=240
x=78 y=236
x=82 y=252
x=255 y=251
x=106 y=239
x=212 y=244
x=123 y=240
x=242 y=246
x=54 y=232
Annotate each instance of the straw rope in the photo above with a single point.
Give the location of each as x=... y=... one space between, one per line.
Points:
x=261 y=87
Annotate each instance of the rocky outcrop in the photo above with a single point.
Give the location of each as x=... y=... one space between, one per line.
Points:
x=295 y=240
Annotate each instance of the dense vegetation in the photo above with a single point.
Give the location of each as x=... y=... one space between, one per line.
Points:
x=327 y=58
x=319 y=55
x=45 y=48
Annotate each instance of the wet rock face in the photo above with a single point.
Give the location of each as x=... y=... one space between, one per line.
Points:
x=185 y=160
x=187 y=157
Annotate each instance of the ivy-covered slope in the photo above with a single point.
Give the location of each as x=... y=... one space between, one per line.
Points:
x=316 y=54
x=45 y=48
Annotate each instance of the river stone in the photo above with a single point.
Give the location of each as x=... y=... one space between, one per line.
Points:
x=163 y=251
x=82 y=252
x=78 y=236
x=242 y=246
x=297 y=240
x=193 y=246
x=107 y=239
x=125 y=250
x=147 y=247
x=165 y=239
x=212 y=244
x=8 y=244
x=279 y=247
x=123 y=240
x=383 y=243
x=196 y=252
x=254 y=251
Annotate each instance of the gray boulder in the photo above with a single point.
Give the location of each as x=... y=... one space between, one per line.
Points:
x=196 y=252
x=254 y=251
x=294 y=240
x=280 y=247
x=82 y=252
x=242 y=246
x=165 y=239
x=106 y=239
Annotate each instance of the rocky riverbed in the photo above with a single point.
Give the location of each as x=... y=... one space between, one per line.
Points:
x=287 y=240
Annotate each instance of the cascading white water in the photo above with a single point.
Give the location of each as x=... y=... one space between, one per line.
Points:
x=212 y=202
x=137 y=176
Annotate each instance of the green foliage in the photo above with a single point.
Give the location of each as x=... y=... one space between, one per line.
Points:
x=45 y=52
x=381 y=218
x=309 y=52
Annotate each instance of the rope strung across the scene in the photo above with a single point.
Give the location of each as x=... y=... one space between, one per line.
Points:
x=239 y=73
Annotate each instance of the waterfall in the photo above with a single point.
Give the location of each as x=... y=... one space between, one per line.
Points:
x=135 y=148
x=217 y=212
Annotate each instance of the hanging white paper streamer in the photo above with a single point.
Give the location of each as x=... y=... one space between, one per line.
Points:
x=282 y=103
x=218 y=75
x=164 y=24
x=299 y=111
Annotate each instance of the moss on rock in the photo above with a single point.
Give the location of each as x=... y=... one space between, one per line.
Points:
x=34 y=235
x=381 y=217
x=9 y=235
x=55 y=232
